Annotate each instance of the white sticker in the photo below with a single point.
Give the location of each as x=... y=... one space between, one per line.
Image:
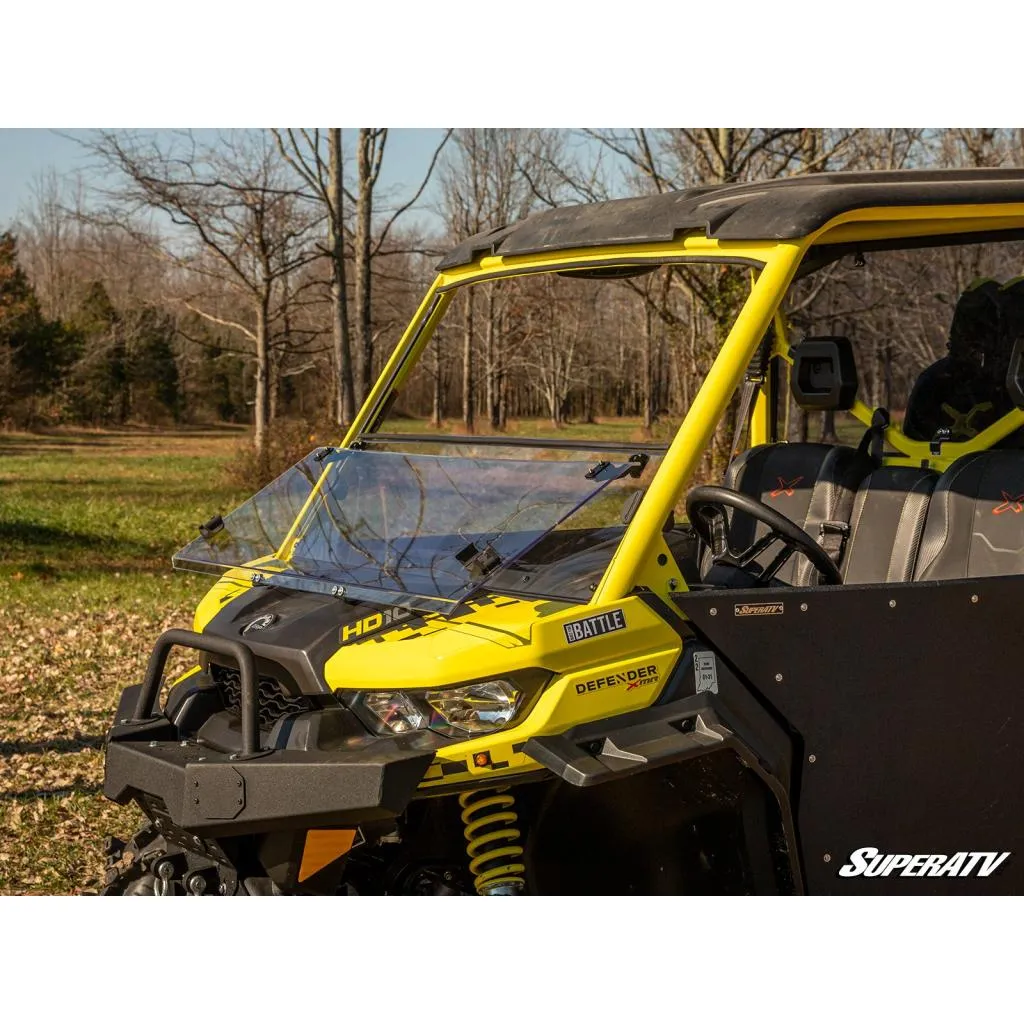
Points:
x=705 y=670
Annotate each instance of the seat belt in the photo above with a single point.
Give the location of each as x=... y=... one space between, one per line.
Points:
x=754 y=378
x=742 y=412
x=832 y=536
x=872 y=444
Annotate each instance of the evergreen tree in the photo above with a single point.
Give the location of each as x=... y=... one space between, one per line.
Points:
x=34 y=352
x=151 y=367
x=100 y=375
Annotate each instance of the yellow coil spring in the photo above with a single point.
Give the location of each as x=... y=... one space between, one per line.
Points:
x=492 y=839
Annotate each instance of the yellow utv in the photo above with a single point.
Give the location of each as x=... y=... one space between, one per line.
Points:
x=437 y=664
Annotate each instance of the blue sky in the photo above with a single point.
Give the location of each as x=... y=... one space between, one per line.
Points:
x=26 y=153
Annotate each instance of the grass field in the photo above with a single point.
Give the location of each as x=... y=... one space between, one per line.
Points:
x=88 y=523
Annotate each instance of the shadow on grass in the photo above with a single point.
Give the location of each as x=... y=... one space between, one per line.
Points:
x=20 y=444
x=54 y=745
x=25 y=536
x=41 y=794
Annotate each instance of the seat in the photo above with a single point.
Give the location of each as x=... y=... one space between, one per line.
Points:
x=975 y=522
x=812 y=484
x=886 y=524
x=964 y=392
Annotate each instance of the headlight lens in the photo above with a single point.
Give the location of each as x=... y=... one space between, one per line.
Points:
x=391 y=711
x=481 y=707
x=462 y=711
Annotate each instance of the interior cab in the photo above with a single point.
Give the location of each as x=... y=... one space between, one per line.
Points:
x=811 y=513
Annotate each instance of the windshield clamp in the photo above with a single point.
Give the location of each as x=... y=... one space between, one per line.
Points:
x=639 y=460
x=479 y=561
x=597 y=470
x=212 y=526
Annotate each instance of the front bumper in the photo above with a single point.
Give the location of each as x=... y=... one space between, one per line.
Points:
x=321 y=770
x=212 y=793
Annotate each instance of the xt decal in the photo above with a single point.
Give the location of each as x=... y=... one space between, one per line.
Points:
x=785 y=486
x=1011 y=503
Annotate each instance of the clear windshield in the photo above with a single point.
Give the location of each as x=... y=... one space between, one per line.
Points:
x=422 y=531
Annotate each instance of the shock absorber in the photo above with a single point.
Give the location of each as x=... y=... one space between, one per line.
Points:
x=492 y=842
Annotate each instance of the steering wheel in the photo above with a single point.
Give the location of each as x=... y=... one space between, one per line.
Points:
x=705 y=508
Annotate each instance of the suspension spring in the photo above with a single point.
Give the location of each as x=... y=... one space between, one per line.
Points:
x=492 y=842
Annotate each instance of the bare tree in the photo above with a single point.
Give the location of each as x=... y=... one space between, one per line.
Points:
x=370 y=147
x=238 y=228
x=491 y=179
x=325 y=178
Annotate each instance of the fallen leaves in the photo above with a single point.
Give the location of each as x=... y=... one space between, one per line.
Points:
x=60 y=676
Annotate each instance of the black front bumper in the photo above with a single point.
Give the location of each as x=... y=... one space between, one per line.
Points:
x=211 y=793
x=323 y=770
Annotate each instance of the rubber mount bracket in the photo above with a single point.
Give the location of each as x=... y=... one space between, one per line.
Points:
x=218 y=792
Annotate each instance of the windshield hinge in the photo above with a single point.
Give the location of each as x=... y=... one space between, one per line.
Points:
x=479 y=561
x=639 y=461
x=212 y=526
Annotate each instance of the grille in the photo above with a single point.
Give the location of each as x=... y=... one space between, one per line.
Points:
x=274 y=700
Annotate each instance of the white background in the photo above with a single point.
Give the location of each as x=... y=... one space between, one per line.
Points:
x=514 y=63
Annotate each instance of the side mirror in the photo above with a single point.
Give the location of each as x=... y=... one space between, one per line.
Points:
x=824 y=374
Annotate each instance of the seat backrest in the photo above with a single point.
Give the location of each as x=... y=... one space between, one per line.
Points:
x=888 y=519
x=964 y=392
x=808 y=483
x=975 y=522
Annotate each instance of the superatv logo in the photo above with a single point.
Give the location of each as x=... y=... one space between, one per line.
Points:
x=867 y=861
x=769 y=608
x=371 y=623
x=596 y=625
x=635 y=677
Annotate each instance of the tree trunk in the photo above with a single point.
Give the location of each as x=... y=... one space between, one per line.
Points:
x=828 y=427
x=436 y=373
x=364 y=217
x=274 y=387
x=887 y=395
x=647 y=370
x=261 y=407
x=502 y=400
x=467 y=364
x=492 y=363
x=345 y=389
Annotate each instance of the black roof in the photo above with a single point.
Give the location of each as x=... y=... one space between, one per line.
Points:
x=783 y=208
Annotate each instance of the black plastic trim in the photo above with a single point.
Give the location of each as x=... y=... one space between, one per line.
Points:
x=236 y=650
x=784 y=208
x=499 y=441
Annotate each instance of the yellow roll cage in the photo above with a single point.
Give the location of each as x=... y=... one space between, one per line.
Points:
x=776 y=264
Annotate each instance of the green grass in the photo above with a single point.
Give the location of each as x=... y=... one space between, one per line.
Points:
x=88 y=523
x=624 y=429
